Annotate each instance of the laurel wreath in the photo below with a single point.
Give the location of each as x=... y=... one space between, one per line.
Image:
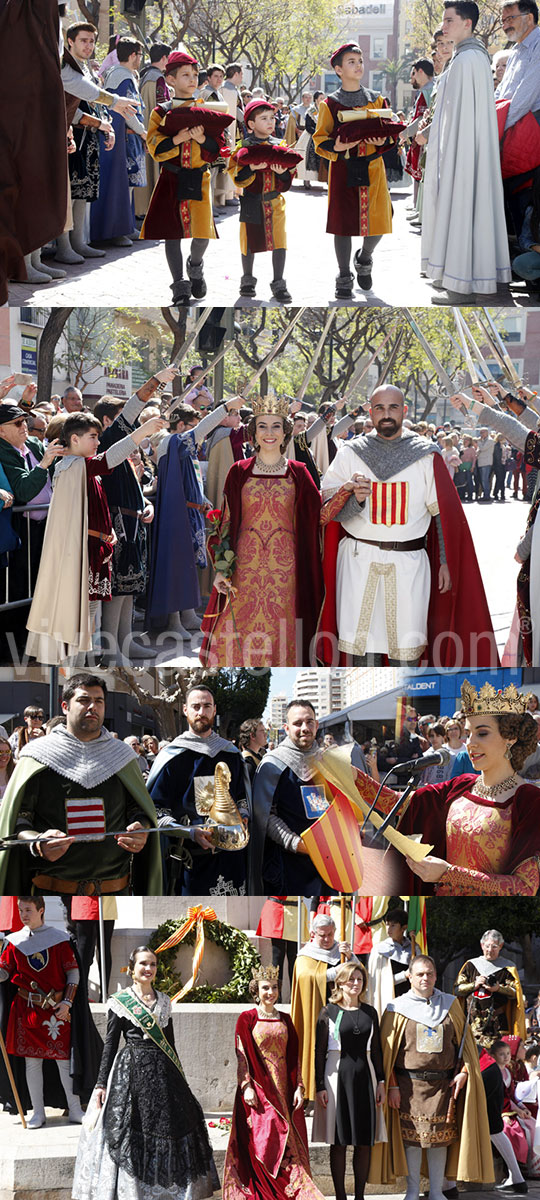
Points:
x=243 y=959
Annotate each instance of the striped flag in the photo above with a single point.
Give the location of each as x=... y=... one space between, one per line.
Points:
x=402 y=704
x=85 y=814
x=389 y=503
x=335 y=846
x=417 y=922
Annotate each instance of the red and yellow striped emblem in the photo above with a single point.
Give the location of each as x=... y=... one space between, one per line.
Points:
x=335 y=846
x=389 y=503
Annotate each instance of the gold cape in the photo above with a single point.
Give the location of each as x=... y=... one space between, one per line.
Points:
x=307 y=998
x=470 y=1158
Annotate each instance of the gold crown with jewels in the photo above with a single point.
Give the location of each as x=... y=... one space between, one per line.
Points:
x=275 y=406
x=489 y=701
x=269 y=974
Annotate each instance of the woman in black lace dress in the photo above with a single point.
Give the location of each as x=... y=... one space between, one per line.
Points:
x=349 y=1079
x=149 y=1140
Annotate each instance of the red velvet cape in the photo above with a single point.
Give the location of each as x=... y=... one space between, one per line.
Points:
x=428 y=810
x=257 y=1148
x=309 y=579
x=463 y=611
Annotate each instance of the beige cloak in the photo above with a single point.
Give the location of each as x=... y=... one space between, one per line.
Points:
x=59 y=619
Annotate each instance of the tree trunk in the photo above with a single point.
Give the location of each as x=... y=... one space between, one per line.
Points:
x=47 y=347
x=90 y=10
x=528 y=957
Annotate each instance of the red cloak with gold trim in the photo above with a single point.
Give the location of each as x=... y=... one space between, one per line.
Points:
x=259 y=1135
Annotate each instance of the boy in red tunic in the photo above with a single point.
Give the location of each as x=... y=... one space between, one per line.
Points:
x=79 y=535
x=262 y=207
x=358 y=196
x=40 y=962
x=181 y=204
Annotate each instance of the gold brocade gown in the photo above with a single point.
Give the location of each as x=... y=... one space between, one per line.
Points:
x=257 y=629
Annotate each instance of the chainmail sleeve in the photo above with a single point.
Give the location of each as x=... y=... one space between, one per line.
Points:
x=278 y=831
x=440 y=538
x=513 y=429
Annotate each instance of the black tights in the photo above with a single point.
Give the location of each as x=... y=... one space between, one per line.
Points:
x=361 y=1157
x=278 y=263
x=173 y=254
x=343 y=247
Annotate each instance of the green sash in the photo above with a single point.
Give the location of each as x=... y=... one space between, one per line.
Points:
x=146 y=1021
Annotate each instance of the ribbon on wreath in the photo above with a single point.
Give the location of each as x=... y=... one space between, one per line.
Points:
x=196 y=916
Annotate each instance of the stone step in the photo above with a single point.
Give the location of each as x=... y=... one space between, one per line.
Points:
x=38 y=1164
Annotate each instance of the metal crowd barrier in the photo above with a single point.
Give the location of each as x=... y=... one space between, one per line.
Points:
x=17 y=562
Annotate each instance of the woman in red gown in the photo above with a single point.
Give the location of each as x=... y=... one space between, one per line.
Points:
x=264 y=611
x=485 y=830
x=267 y=1156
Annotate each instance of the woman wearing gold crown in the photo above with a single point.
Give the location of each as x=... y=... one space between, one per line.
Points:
x=485 y=830
x=264 y=613
x=267 y=1156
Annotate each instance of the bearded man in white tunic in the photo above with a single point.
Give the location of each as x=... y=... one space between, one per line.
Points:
x=383 y=572
x=464 y=238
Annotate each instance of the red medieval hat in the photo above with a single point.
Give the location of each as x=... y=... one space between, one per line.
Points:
x=347 y=46
x=254 y=106
x=179 y=58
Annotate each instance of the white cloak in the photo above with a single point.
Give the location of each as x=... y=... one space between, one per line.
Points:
x=382 y=596
x=464 y=237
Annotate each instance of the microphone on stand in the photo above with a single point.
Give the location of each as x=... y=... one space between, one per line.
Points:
x=437 y=758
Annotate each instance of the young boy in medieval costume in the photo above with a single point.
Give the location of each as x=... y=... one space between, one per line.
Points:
x=262 y=207
x=358 y=196
x=65 y=604
x=181 y=205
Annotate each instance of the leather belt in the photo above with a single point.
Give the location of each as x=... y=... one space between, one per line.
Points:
x=108 y=538
x=199 y=507
x=40 y=1000
x=80 y=887
x=427 y=1076
x=415 y=544
x=127 y=512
